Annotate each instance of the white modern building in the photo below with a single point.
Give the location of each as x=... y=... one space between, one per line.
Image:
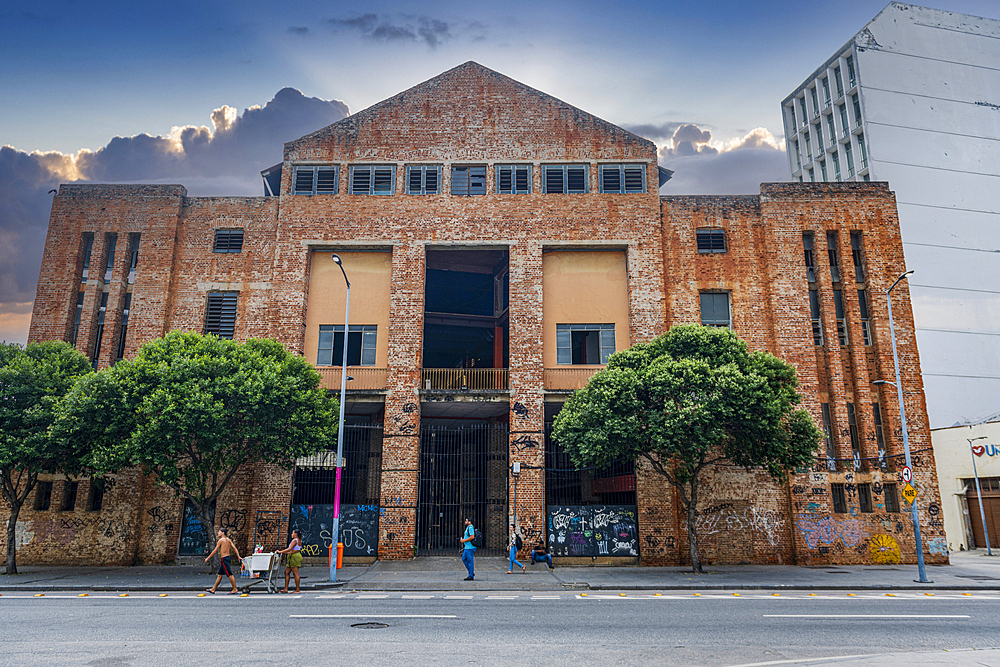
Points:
x=960 y=453
x=914 y=99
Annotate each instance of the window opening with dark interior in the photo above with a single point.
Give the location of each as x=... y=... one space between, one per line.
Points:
x=134 y=260
x=513 y=179
x=565 y=179
x=807 y=246
x=69 y=496
x=838 y=306
x=123 y=334
x=466 y=302
x=76 y=318
x=43 y=496
x=815 y=315
x=228 y=241
x=831 y=451
x=852 y=425
x=866 y=328
x=101 y=312
x=711 y=240
x=112 y=241
x=715 y=309
x=879 y=433
x=423 y=180
x=891 y=496
x=865 y=498
x=88 y=247
x=584 y=343
x=859 y=271
x=831 y=251
x=622 y=178
x=361 y=344
x=95 y=498
x=468 y=180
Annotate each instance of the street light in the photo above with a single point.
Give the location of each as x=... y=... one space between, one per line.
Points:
x=340 y=429
x=906 y=436
x=979 y=493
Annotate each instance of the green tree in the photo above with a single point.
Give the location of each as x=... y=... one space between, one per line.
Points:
x=191 y=409
x=691 y=398
x=32 y=381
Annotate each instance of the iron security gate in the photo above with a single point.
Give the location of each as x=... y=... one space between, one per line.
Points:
x=463 y=473
x=361 y=479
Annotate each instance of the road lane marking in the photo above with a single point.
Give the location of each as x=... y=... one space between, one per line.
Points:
x=458 y=597
x=545 y=597
x=372 y=597
x=865 y=616
x=372 y=616
x=416 y=597
x=501 y=597
x=798 y=661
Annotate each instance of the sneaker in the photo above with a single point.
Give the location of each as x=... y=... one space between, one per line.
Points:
x=469 y=579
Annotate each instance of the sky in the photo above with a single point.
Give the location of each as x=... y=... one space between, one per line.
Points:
x=205 y=94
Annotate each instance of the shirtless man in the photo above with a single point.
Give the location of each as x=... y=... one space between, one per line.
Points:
x=224 y=546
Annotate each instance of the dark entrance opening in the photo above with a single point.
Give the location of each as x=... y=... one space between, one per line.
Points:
x=463 y=473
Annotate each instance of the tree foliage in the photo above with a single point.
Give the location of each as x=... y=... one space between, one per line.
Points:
x=32 y=381
x=192 y=409
x=688 y=399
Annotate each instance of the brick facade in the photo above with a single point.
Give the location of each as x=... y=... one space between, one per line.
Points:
x=472 y=115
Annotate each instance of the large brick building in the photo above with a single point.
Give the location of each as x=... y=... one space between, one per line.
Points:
x=500 y=245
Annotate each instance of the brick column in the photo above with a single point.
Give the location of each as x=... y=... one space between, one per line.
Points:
x=526 y=410
x=401 y=441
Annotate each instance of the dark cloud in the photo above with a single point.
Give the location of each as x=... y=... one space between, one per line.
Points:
x=223 y=161
x=655 y=133
x=411 y=28
x=298 y=30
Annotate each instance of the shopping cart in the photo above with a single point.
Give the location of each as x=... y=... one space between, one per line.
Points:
x=263 y=569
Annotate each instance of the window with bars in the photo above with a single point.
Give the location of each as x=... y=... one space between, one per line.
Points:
x=622 y=178
x=362 y=340
x=372 y=180
x=423 y=180
x=865 y=498
x=513 y=179
x=891 y=492
x=859 y=271
x=715 y=309
x=866 y=330
x=832 y=243
x=101 y=312
x=468 y=180
x=852 y=427
x=228 y=241
x=315 y=180
x=839 y=499
x=838 y=305
x=220 y=314
x=711 y=240
x=807 y=247
x=565 y=179
x=124 y=327
x=831 y=452
x=584 y=344
x=816 y=317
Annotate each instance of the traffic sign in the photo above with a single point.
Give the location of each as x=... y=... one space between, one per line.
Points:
x=909 y=493
x=907 y=474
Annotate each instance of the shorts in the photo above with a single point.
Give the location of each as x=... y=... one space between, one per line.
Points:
x=225 y=568
x=295 y=559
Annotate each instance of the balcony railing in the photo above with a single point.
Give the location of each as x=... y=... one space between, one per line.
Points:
x=568 y=379
x=365 y=377
x=466 y=379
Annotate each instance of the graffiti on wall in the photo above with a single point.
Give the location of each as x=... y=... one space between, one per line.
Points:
x=725 y=517
x=829 y=530
x=884 y=549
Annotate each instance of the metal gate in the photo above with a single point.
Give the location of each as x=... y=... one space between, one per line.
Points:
x=361 y=479
x=463 y=473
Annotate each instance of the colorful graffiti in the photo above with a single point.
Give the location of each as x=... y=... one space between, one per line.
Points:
x=938 y=546
x=884 y=549
x=828 y=530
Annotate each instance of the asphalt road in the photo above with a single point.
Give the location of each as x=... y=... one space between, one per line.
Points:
x=495 y=628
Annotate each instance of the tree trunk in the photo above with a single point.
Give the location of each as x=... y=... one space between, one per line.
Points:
x=15 y=510
x=692 y=516
x=206 y=515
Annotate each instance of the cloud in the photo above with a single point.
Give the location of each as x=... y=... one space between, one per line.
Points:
x=225 y=159
x=652 y=132
x=410 y=28
x=702 y=165
x=298 y=30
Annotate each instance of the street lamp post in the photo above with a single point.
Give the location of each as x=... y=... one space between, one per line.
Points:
x=979 y=494
x=340 y=429
x=906 y=436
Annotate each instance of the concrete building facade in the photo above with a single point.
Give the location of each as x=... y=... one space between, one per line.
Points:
x=914 y=99
x=962 y=452
x=501 y=245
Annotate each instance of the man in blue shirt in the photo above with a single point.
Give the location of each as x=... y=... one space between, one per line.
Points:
x=469 y=551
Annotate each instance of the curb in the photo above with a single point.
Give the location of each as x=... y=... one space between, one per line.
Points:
x=565 y=587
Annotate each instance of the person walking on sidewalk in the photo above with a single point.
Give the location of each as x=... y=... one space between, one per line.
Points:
x=294 y=559
x=513 y=545
x=225 y=547
x=469 y=549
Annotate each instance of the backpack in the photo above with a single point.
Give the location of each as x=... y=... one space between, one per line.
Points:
x=477 y=540
x=518 y=542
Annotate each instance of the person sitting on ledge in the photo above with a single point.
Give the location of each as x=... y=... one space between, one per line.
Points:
x=541 y=555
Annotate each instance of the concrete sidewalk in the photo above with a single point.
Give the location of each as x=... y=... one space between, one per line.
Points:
x=969 y=571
